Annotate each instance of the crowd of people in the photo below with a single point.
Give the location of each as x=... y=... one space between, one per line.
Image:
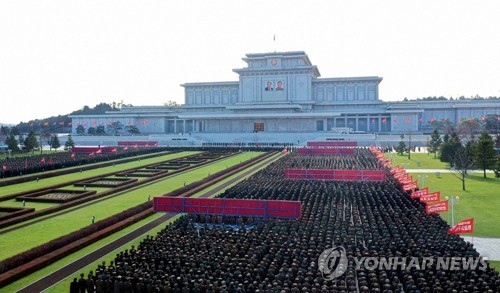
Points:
x=15 y=166
x=367 y=219
x=360 y=160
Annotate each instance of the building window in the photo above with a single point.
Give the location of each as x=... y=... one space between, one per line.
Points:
x=319 y=125
x=258 y=127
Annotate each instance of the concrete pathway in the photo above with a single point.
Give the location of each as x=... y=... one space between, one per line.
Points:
x=487 y=246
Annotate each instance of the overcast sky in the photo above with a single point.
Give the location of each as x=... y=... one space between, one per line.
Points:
x=57 y=56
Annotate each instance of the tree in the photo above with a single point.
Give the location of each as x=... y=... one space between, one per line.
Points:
x=91 y=131
x=484 y=153
x=80 y=129
x=115 y=127
x=132 y=129
x=69 y=143
x=14 y=130
x=435 y=142
x=401 y=148
x=497 y=167
x=463 y=160
x=4 y=130
x=20 y=140
x=54 y=142
x=492 y=126
x=449 y=149
x=468 y=129
x=171 y=103
x=11 y=143
x=100 y=130
x=45 y=138
x=31 y=143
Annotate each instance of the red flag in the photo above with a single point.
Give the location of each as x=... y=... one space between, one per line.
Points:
x=410 y=186
x=135 y=146
x=54 y=123
x=395 y=120
x=420 y=119
x=438 y=207
x=129 y=124
x=136 y=122
x=91 y=154
x=435 y=196
x=4 y=168
x=384 y=120
x=42 y=161
x=61 y=123
x=85 y=124
x=419 y=193
x=46 y=124
x=432 y=120
x=284 y=151
x=50 y=162
x=69 y=123
x=72 y=155
x=373 y=120
x=125 y=148
x=102 y=123
x=114 y=150
x=483 y=118
x=465 y=226
x=145 y=122
x=98 y=151
x=110 y=123
x=94 y=123
x=407 y=120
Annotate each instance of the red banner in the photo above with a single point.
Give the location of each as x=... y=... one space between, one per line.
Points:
x=465 y=226
x=400 y=175
x=410 y=186
x=419 y=193
x=438 y=207
x=406 y=180
x=229 y=207
x=435 y=196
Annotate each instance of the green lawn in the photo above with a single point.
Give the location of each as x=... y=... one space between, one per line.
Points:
x=418 y=161
x=28 y=237
x=74 y=176
x=64 y=285
x=481 y=199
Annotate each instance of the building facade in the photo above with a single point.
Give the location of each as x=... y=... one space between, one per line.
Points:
x=282 y=92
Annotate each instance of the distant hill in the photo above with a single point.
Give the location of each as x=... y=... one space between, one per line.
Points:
x=62 y=123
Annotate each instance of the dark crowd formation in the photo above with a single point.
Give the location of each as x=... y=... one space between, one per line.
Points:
x=10 y=167
x=368 y=219
x=360 y=160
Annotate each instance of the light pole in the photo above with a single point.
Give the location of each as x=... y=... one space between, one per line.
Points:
x=453 y=201
x=423 y=179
